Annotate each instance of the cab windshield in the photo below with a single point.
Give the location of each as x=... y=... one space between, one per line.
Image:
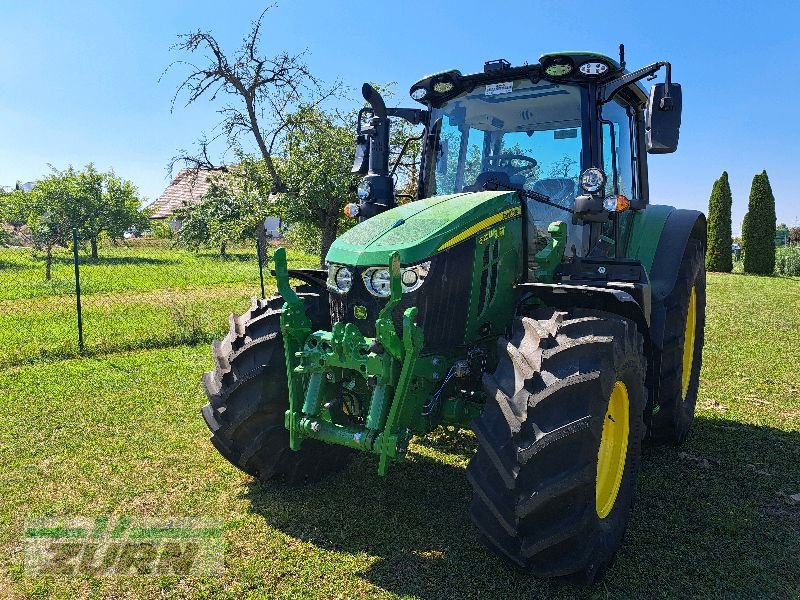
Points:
x=520 y=133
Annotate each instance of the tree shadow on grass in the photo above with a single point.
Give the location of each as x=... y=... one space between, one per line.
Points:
x=12 y=266
x=712 y=518
x=109 y=261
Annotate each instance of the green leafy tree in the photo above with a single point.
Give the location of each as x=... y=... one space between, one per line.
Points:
x=230 y=211
x=103 y=203
x=758 y=229
x=46 y=210
x=718 y=253
x=94 y=203
x=316 y=168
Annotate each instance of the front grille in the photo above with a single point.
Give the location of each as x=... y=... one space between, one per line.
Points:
x=442 y=301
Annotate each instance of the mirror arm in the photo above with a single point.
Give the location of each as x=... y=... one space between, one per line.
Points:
x=608 y=90
x=415 y=116
x=403 y=151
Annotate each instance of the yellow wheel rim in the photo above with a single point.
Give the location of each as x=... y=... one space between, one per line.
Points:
x=688 y=342
x=613 y=450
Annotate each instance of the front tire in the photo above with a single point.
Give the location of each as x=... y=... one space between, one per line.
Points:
x=248 y=396
x=559 y=442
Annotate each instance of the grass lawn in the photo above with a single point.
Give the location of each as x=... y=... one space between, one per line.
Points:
x=122 y=435
x=136 y=295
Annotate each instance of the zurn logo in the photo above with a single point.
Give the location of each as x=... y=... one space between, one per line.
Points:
x=104 y=546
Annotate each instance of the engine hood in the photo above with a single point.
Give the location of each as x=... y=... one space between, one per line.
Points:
x=420 y=229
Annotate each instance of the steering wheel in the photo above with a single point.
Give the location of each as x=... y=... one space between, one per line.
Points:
x=503 y=161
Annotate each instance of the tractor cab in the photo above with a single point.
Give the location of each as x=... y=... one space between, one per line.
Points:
x=574 y=125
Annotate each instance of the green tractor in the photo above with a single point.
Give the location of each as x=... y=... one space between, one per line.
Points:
x=529 y=292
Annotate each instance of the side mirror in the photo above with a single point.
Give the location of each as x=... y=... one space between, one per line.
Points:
x=663 y=118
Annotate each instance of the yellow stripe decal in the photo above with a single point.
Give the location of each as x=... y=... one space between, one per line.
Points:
x=481 y=225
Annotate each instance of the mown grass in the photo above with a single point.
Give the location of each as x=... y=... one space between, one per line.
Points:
x=137 y=295
x=122 y=434
x=129 y=267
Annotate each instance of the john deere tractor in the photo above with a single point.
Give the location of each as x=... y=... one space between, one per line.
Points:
x=528 y=292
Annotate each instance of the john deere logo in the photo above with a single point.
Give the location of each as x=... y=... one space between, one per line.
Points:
x=360 y=312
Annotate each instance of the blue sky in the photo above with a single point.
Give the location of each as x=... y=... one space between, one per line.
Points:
x=79 y=80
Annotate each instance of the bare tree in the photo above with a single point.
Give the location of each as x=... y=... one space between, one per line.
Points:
x=260 y=96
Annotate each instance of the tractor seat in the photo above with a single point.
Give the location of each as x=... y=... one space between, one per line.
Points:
x=560 y=190
x=500 y=176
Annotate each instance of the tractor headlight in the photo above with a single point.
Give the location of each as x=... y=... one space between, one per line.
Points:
x=377 y=280
x=413 y=277
x=364 y=189
x=419 y=94
x=340 y=279
x=593 y=180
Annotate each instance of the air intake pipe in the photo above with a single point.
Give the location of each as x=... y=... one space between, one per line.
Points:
x=376 y=190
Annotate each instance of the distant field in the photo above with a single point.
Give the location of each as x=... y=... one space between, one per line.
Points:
x=134 y=296
x=122 y=435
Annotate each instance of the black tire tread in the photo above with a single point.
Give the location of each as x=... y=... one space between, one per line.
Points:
x=247 y=393
x=674 y=414
x=545 y=521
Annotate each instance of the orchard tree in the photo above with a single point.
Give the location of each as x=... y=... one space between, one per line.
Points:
x=260 y=96
x=103 y=203
x=718 y=253
x=47 y=213
x=758 y=229
x=90 y=201
x=230 y=211
x=318 y=158
x=275 y=104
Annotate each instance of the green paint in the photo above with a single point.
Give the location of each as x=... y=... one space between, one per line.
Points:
x=295 y=327
x=646 y=232
x=416 y=230
x=549 y=258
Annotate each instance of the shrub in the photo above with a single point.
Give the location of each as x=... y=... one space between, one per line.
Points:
x=787 y=261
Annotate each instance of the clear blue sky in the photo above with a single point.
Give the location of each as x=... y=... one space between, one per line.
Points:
x=79 y=80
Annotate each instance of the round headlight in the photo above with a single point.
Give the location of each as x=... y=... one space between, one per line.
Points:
x=419 y=94
x=593 y=180
x=364 y=189
x=344 y=279
x=377 y=281
x=409 y=277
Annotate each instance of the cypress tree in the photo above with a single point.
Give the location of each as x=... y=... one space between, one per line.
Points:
x=758 y=230
x=718 y=254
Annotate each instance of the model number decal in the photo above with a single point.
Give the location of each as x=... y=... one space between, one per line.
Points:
x=488 y=222
x=495 y=233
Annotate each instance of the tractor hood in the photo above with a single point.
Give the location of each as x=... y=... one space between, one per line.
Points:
x=420 y=229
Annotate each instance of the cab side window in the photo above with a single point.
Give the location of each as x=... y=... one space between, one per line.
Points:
x=618 y=159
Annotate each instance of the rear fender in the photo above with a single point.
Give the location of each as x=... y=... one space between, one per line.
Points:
x=680 y=227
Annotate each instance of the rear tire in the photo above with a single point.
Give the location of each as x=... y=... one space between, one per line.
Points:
x=248 y=397
x=681 y=357
x=538 y=467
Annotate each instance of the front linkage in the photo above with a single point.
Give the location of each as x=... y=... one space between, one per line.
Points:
x=398 y=378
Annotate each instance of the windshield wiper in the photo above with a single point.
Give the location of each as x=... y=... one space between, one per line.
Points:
x=495 y=185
